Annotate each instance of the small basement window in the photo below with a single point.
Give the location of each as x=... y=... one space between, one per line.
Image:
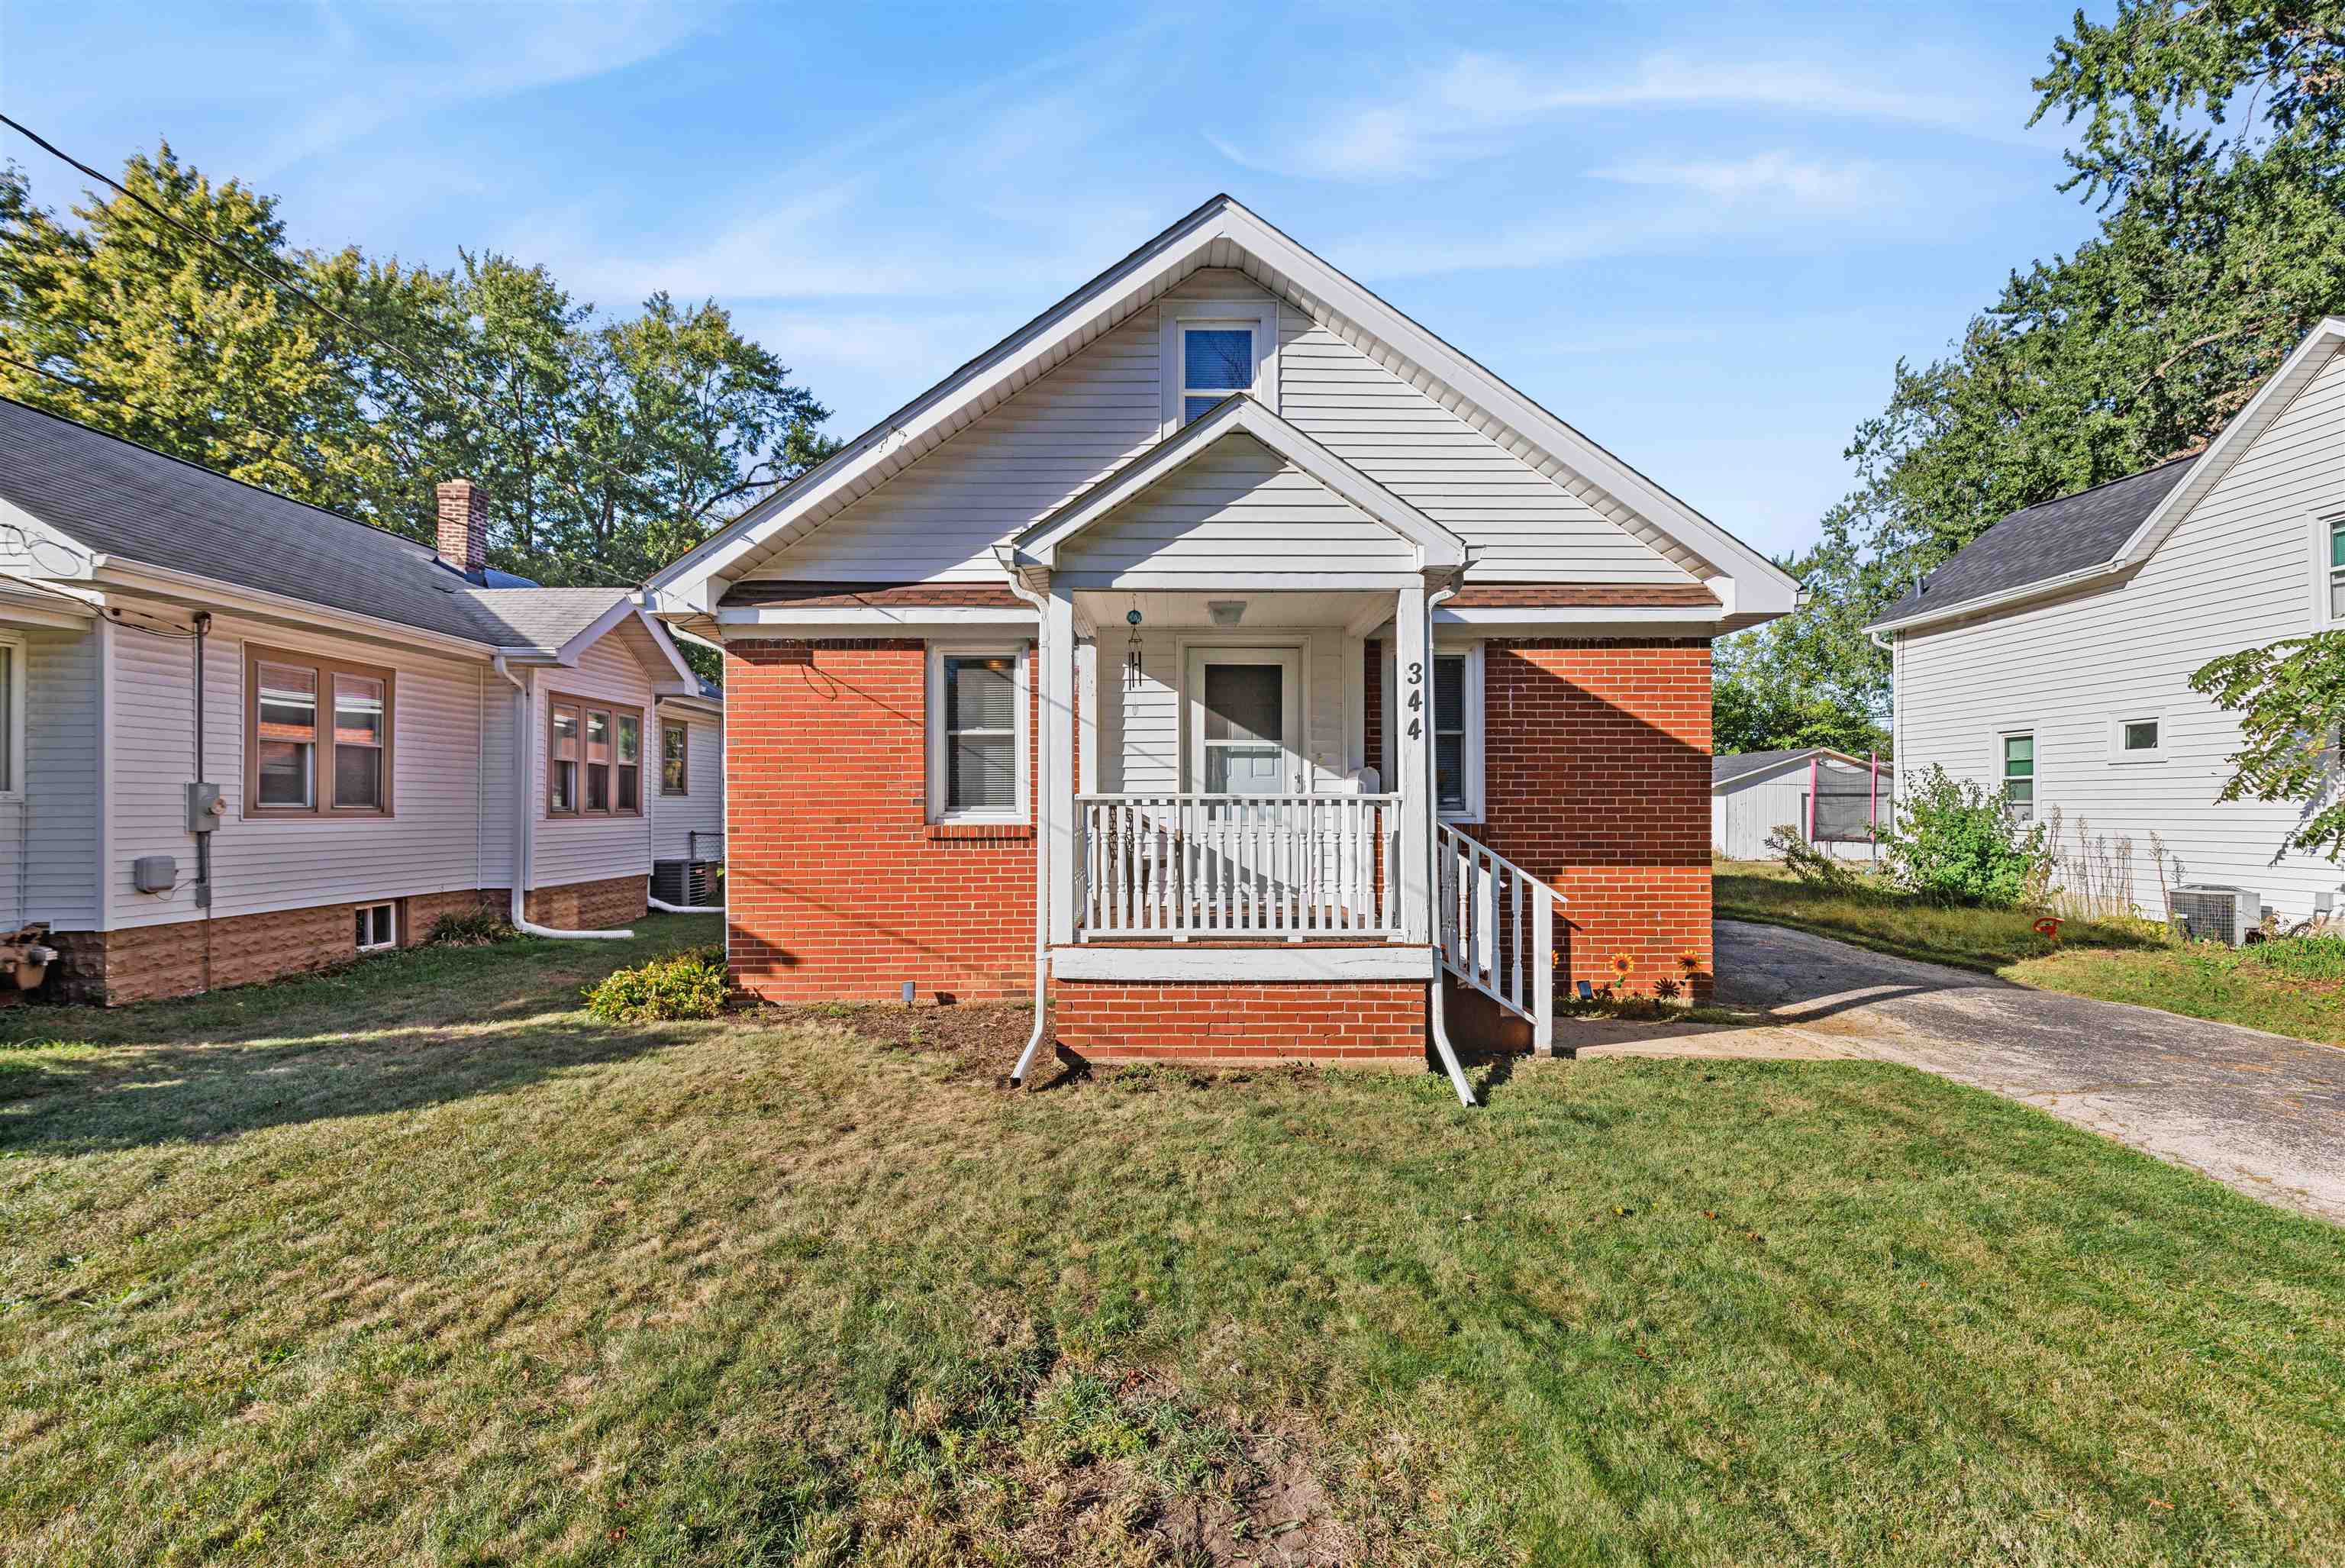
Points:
x=378 y=927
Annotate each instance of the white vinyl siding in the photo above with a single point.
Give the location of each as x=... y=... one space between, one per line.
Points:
x=700 y=810
x=1142 y=742
x=2232 y=575
x=589 y=849
x=49 y=840
x=1746 y=811
x=1237 y=507
x=432 y=844
x=938 y=521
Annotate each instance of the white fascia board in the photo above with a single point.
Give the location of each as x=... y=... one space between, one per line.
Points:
x=1240 y=415
x=32 y=607
x=618 y=613
x=49 y=552
x=2232 y=441
x=1174 y=252
x=1298 y=961
x=1653 y=620
x=117 y=576
x=1143 y=581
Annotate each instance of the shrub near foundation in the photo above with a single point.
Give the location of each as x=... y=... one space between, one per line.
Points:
x=689 y=985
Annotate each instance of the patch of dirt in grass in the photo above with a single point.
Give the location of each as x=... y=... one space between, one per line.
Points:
x=1280 y=1515
x=983 y=1038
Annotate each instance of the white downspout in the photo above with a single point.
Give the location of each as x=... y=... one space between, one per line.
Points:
x=1041 y=792
x=524 y=798
x=1433 y=1010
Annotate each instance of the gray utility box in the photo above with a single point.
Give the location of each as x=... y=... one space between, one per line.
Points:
x=205 y=807
x=154 y=873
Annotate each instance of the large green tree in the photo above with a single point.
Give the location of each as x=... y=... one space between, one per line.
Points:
x=2208 y=138
x=607 y=446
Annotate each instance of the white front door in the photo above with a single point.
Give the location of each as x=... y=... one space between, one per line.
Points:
x=1245 y=721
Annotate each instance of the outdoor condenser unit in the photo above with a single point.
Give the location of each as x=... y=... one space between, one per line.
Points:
x=2211 y=914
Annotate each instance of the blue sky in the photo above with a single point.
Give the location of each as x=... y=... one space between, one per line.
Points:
x=1703 y=235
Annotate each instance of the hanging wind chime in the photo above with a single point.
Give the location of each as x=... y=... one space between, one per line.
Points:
x=1132 y=672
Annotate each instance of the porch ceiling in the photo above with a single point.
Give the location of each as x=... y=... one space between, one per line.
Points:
x=1286 y=610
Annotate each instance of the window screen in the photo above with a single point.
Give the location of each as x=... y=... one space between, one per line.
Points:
x=981 y=733
x=287 y=741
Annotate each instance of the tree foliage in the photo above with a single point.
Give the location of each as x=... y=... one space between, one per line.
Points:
x=2290 y=697
x=2209 y=138
x=606 y=446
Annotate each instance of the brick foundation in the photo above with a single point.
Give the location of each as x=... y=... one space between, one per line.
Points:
x=146 y=963
x=1367 y=1023
x=837 y=887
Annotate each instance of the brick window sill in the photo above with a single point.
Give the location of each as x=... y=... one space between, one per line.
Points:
x=984 y=832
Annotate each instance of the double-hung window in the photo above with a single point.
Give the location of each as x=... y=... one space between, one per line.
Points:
x=1456 y=740
x=977 y=760
x=593 y=758
x=317 y=736
x=2017 y=754
x=2333 y=581
x=1216 y=359
x=676 y=756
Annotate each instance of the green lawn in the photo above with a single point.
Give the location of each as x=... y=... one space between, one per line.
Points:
x=2295 y=988
x=418 y=1263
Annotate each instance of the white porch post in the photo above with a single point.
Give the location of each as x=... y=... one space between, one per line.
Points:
x=1056 y=814
x=1409 y=728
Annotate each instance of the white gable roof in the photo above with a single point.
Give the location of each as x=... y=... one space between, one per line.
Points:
x=1223 y=233
x=1239 y=414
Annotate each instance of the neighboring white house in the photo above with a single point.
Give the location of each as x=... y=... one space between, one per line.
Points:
x=1830 y=798
x=241 y=737
x=2051 y=658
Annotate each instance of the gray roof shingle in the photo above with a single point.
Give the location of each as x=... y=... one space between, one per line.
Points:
x=121 y=499
x=2045 y=541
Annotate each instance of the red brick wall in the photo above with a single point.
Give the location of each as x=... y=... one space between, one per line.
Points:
x=1233 y=1020
x=1596 y=777
x=837 y=887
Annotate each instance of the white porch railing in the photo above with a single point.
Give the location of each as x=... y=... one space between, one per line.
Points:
x=1176 y=866
x=1495 y=925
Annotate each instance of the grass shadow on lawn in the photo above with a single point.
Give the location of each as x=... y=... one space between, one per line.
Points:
x=388 y=1034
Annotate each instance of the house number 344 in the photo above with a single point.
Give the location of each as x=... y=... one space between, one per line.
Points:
x=1415 y=700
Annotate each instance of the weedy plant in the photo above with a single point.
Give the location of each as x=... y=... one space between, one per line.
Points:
x=689 y=985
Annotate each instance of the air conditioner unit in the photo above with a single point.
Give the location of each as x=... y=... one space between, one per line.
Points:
x=2208 y=913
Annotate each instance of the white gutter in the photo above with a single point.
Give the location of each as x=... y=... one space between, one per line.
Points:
x=1041 y=830
x=218 y=595
x=525 y=799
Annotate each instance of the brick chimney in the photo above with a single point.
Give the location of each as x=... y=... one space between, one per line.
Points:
x=463 y=527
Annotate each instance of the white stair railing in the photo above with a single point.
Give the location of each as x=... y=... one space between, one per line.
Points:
x=1233 y=866
x=1494 y=924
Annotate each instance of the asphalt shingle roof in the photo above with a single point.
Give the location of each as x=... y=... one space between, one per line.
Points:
x=2045 y=541
x=120 y=499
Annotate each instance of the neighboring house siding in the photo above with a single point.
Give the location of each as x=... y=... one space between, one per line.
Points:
x=432 y=844
x=1238 y=507
x=838 y=888
x=1742 y=815
x=49 y=842
x=940 y=518
x=676 y=816
x=593 y=849
x=2238 y=573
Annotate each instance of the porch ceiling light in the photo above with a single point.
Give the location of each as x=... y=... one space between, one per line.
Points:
x=1226 y=611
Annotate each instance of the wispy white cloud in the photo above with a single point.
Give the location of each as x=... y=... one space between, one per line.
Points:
x=1476 y=104
x=1775 y=177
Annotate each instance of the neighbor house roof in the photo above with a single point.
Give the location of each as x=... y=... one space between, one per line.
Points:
x=2042 y=543
x=117 y=499
x=1741 y=765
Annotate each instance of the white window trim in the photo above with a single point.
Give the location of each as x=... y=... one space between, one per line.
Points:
x=1257 y=315
x=21 y=656
x=2035 y=766
x=2319 y=523
x=1472 y=698
x=2118 y=754
x=381 y=946
x=1022 y=662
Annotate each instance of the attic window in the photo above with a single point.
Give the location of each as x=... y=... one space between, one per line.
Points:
x=1216 y=359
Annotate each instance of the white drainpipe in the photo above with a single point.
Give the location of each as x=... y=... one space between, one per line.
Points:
x=1042 y=653
x=1434 y=1008
x=525 y=800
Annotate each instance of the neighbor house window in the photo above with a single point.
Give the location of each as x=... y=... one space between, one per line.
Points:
x=2019 y=775
x=593 y=758
x=2336 y=579
x=378 y=927
x=1215 y=361
x=318 y=736
x=977 y=761
x=1456 y=740
x=2137 y=738
x=676 y=756
x=12 y=719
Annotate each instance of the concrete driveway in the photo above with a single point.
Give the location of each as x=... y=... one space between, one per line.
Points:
x=2260 y=1112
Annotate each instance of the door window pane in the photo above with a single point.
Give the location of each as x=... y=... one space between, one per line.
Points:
x=981 y=694
x=1245 y=726
x=286 y=738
